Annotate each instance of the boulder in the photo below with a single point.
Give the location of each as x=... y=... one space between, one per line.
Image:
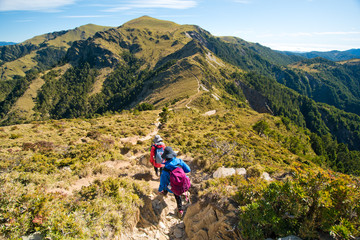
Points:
x=240 y=171
x=224 y=172
x=34 y=236
x=266 y=176
x=204 y=221
x=290 y=238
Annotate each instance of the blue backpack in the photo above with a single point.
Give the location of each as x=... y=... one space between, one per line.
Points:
x=158 y=153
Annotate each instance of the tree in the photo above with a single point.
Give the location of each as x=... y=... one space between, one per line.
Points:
x=261 y=127
x=164 y=115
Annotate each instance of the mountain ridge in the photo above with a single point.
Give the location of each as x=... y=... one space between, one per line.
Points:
x=334 y=55
x=77 y=127
x=7 y=43
x=140 y=61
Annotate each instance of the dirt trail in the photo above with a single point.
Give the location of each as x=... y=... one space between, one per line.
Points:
x=133 y=139
x=166 y=224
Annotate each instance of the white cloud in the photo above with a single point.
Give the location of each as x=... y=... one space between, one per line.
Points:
x=309 y=34
x=336 y=33
x=171 y=4
x=33 y=5
x=86 y=16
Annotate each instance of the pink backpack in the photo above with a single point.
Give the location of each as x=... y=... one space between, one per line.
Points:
x=179 y=182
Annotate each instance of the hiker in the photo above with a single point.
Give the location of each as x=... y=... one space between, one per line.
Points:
x=174 y=168
x=157 y=149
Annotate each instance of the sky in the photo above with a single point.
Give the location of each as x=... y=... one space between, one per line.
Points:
x=293 y=25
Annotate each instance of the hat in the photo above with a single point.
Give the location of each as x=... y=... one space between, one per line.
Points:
x=157 y=139
x=168 y=153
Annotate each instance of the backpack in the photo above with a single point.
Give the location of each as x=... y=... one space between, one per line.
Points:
x=158 y=153
x=179 y=182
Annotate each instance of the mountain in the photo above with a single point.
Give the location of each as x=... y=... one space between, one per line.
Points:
x=160 y=63
x=41 y=52
x=267 y=53
x=79 y=116
x=330 y=55
x=6 y=43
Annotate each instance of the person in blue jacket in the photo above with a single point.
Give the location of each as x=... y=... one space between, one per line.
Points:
x=171 y=162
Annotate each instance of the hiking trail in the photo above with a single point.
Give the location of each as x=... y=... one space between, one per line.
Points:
x=158 y=216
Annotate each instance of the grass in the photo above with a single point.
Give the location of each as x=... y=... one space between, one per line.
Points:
x=40 y=157
x=25 y=63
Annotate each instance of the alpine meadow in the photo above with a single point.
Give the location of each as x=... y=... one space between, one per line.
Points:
x=272 y=138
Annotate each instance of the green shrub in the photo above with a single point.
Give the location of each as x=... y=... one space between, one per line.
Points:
x=254 y=171
x=261 y=127
x=14 y=136
x=302 y=206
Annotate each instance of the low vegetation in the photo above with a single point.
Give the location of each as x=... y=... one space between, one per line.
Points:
x=40 y=166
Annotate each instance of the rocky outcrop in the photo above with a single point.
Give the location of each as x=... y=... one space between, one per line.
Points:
x=207 y=221
x=224 y=172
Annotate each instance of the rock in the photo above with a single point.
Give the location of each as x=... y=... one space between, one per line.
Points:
x=145 y=160
x=203 y=221
x=178 y=233
x=162 y=225
x=209 y=113
x=143 y=176
x=290 y=238
x=148 y=216
x=266 y=176
x=34 y=236
x=181 y=225
x=223 y=172
x=240 y=171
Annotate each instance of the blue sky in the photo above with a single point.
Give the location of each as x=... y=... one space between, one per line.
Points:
x=296 y=25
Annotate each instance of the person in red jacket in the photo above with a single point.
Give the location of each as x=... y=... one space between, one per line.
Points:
x=157 y=149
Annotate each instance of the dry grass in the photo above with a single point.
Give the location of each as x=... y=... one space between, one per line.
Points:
x=97 y=87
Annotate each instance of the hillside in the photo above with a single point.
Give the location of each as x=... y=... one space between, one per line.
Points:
x=335 y=83
x=88 y=178
x=330 y=55
x=270 y=55
x=161 y=62
x=6 y=43
x=270 y=155
x=41 y=52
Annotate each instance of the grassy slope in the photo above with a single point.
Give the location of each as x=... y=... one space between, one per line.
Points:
x=83 y=145
x=64 y=40
x=25 y=104
x=265 y=52
x=25 y=63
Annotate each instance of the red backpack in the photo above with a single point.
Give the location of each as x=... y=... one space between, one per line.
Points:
x=179 y=182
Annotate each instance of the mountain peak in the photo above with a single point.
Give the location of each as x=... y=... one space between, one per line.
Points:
x=151 y=23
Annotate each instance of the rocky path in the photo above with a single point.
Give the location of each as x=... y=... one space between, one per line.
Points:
x=158 y=218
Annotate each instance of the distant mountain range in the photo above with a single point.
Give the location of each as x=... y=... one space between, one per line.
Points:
x=331 y=55
x=6 y=43
x=94 y=69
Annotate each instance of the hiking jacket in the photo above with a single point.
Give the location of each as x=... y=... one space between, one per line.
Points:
x=152 y=154
x=165 y=176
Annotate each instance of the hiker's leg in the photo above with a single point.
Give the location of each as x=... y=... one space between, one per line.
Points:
x=161 y=169
x=156 y=171
x=178 y=202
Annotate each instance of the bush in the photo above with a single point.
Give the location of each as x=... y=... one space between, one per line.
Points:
x=109 y=204
x=307 y=204
x=261 y=127
x=144 y=107
x=94 y=134
x=254 y=171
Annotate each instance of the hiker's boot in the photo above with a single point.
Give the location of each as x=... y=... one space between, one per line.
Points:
x=180 y=214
